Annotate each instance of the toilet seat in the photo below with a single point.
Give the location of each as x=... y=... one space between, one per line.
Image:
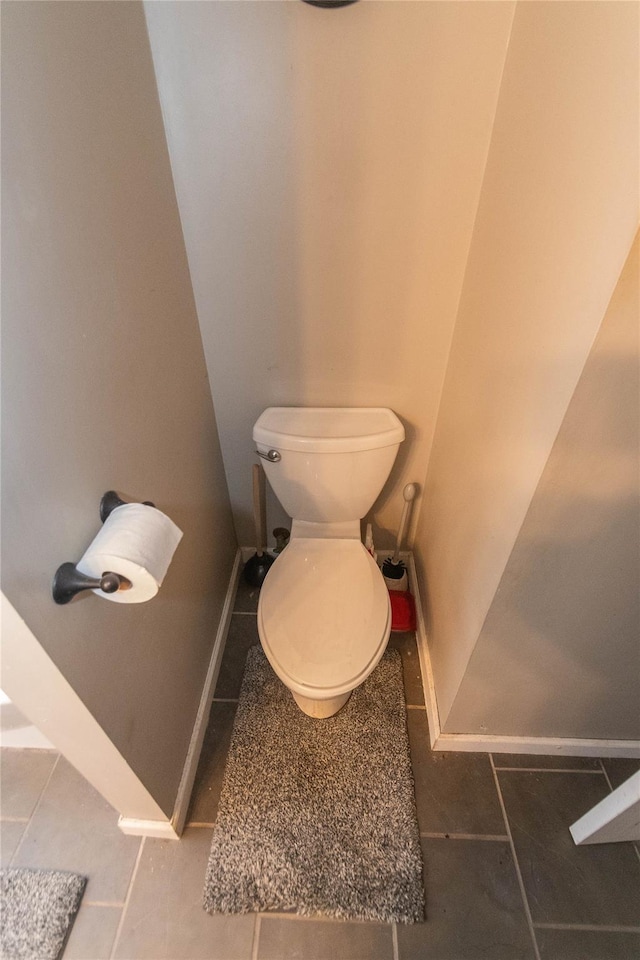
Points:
x=324 y=616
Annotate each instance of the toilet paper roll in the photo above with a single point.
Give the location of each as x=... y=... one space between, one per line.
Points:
x=136 y=542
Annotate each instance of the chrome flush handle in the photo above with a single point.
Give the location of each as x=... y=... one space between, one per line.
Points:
x=272 y=456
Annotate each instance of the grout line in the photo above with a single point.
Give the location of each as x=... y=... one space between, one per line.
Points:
x=288 y=915
x=603 y=928
x=604 y=770
x=394 y=940
x=315 y=918
x=244 y=613
x=523 y=892
x=465 y=836
x=34 y=811
x=14 y=819
x=134 y=874
x=415 y=706
x=256 y=938
x=199 y=825
x=598 y=773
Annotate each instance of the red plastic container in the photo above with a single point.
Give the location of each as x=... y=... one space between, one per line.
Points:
x=403 y=611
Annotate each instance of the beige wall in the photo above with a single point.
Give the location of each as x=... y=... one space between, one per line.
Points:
x=104 y=379
x=559 y=650
x=557 y=215
x=327 y=166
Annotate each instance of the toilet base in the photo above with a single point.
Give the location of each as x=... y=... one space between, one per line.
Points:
x=320 y=709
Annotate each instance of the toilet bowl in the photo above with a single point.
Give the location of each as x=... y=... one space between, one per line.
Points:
x=324 y=619
x=324 y=615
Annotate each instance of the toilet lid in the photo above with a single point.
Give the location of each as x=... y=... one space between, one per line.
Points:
x=324 y=615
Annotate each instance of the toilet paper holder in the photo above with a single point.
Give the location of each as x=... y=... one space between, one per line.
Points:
x=68 y=581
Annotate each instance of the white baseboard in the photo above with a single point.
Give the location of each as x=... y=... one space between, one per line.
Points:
x=172 y=829
x=547 y=746
x=162 y=829
x=202 y=717
x=428 y=682
x=485 y=743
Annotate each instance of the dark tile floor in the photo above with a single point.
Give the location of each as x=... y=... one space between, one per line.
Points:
x=503 y=878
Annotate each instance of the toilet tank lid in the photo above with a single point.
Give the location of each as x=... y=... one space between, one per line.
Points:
x=328 y=429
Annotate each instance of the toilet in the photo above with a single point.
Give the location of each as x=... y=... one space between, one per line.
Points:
x=324 y=615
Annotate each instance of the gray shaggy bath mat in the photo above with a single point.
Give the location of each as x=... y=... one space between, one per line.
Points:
x=38 y=908
x=318 y=816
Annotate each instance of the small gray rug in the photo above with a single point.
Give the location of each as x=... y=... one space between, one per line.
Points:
x=38 y=909
x=318 y=816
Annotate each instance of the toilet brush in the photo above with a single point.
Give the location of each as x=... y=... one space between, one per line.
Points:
x=393 y=569
x=257 y=567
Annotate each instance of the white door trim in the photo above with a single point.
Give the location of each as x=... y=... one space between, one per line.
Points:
x=32 y=680
x=614 y=819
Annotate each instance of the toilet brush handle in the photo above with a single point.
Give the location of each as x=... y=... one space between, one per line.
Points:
x=257 y=507
x=408 y=493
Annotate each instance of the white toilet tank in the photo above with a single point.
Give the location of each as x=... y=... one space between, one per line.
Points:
x=327 y=464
